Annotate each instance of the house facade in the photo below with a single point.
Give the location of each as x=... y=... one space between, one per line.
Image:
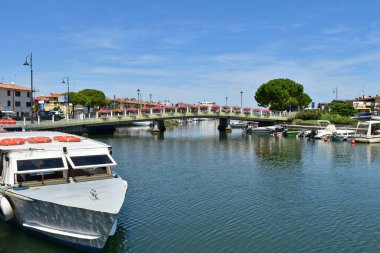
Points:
x=367 y=104
x=15 y=99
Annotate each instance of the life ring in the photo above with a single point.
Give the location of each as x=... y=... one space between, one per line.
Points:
x=6 y=210
x=67 y=138
x=12 y=141
x=39 y=139
x=7 y=121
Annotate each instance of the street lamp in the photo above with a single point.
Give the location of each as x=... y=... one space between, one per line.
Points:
x=150 y=97
x=226 y=100
x=241 y=100
x=67 y=97
x=30 y=63
x=138 y=97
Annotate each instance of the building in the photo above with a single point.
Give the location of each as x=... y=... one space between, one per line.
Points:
x=14 y=99
x=53 y=102
x=367 y=104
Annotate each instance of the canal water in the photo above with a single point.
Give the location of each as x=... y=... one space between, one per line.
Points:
x=195 y=190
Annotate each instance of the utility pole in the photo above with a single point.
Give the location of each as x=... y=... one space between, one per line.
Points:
x=336 y=93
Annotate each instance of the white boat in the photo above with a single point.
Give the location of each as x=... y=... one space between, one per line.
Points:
x=367 y=131
x=60 y=186
x=141 y=123
x=264 y=130
x=237 y=124
x=326 y=128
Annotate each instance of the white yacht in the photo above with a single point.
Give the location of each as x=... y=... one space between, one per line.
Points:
x=141 y=123
x=60 y=186
x=326 y=128
x=368 y=131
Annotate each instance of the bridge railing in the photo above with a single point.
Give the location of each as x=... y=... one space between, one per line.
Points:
x=175 y=113
x=187 y=110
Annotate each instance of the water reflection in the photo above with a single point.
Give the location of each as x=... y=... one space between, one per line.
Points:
x=15 y=240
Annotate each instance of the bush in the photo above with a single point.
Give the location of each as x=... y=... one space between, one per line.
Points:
x=309 y=115
x=339 y=119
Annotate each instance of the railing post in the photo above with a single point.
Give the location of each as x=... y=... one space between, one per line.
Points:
x=38 y=120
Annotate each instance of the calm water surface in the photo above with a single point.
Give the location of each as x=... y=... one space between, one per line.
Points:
x=194 y=190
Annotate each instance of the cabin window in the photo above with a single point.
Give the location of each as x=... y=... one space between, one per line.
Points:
x=375 y=129
x=89 y=172
x=39 y=177
x=40 y=170
x=362 y=129
x=90 y=160
x=40 y=164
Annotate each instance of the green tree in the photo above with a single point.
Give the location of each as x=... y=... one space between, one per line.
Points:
x=94 y=98
x=278 y=94
x=342 y=109
x=77 y=98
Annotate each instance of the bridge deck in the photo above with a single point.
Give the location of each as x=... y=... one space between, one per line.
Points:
x=125 y=119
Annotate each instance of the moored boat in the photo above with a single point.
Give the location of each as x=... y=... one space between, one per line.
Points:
x=367 y=131
x=60 y=186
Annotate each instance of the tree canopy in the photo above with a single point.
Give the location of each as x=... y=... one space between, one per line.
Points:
x=93 y=98
x=342 y=109
x=281 y=93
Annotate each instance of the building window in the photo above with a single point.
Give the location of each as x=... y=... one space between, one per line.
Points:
x=8 y=93
x=9 y=103
x=17 y=103
x=27 y=104
x=17 y=93
x=28 y=94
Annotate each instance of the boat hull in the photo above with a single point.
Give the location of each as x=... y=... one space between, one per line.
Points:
x=79 y=214
x=367 y=139
x=75 y=227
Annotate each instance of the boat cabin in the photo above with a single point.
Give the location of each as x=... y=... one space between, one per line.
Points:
x=55 y=161
x=368 y=128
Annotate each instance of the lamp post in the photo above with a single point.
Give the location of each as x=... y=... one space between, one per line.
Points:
x=67 y=98
x=138 y=97
x=241 y=100
x=150 y=97
x=226 y=100
x=30 y=63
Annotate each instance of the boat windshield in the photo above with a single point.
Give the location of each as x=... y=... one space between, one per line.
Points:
x=375 y=129
x=40 y=170
x=90 y=167
x=90 y=161
x=362 y=128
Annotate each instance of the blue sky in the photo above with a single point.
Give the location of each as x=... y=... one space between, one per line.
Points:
x=193 y=50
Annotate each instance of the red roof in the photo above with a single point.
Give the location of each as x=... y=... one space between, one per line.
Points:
x=55 y=95
x=13 y=87
x=41 y=98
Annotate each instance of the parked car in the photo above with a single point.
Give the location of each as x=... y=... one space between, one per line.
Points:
x=17 y=117
x=363 y=116
x=48 y=116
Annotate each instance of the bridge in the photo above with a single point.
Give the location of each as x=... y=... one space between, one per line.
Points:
x=122 y=119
